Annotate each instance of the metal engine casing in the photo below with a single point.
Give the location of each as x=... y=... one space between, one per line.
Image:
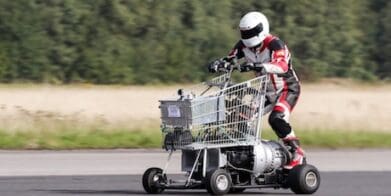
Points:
x=268 y=156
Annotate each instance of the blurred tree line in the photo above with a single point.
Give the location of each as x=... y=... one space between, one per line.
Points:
x=153 y=41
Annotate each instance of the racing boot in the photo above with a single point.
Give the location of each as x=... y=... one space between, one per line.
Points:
x=298 y=156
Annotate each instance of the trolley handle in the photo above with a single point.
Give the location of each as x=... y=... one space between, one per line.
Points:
x=225 y=70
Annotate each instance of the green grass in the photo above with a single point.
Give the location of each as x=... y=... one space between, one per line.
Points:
x=340 y=139
x=96 y=139
x=109 y=139
x=348 y=139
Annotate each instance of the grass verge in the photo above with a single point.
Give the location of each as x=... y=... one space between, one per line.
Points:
x=96 y=139
x=104 y=139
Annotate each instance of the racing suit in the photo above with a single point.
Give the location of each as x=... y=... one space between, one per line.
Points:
x=276 y=61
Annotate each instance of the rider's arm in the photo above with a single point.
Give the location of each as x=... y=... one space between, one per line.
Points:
x=279 y=58
x=237 y=51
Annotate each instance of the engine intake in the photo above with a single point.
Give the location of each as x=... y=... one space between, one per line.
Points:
x=268 y=156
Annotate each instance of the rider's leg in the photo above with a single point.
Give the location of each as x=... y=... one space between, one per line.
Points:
x=279 y=121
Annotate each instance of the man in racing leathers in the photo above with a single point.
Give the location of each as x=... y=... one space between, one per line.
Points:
x=267 y=54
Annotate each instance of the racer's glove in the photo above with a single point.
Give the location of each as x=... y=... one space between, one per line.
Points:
x=219 y=65
x=258 y=67
x=246 y=67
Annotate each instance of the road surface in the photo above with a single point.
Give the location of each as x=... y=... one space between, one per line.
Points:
x=118 y=172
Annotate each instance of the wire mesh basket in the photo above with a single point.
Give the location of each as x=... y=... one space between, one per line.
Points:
x=225 y=117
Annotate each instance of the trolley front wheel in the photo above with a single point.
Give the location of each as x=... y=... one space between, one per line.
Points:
x=151 y=180
x=218 y=182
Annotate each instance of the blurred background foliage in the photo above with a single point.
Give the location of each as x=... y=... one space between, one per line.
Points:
x=167 y=41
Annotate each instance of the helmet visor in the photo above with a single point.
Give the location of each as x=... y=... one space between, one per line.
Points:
x=247 y=34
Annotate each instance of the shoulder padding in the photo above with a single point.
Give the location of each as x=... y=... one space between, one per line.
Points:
x=239 y=45
x=276 y=44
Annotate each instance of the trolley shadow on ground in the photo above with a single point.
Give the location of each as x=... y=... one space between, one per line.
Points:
x=88 y=192
x=140 y=192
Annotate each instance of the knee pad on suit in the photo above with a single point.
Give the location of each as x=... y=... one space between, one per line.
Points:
x=279 y=125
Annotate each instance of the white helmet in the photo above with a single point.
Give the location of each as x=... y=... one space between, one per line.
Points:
x=254 y=28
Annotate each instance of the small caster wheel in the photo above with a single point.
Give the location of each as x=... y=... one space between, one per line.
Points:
x=151 y=180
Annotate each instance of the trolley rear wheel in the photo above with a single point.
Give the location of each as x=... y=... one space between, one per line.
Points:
x=151 y=179
x=304 y=179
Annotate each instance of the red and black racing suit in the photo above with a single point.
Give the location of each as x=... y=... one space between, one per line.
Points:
x=276 y=60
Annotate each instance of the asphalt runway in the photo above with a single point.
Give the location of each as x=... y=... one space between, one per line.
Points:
x=333 y=183
x=130 y=162
x=118 y=172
